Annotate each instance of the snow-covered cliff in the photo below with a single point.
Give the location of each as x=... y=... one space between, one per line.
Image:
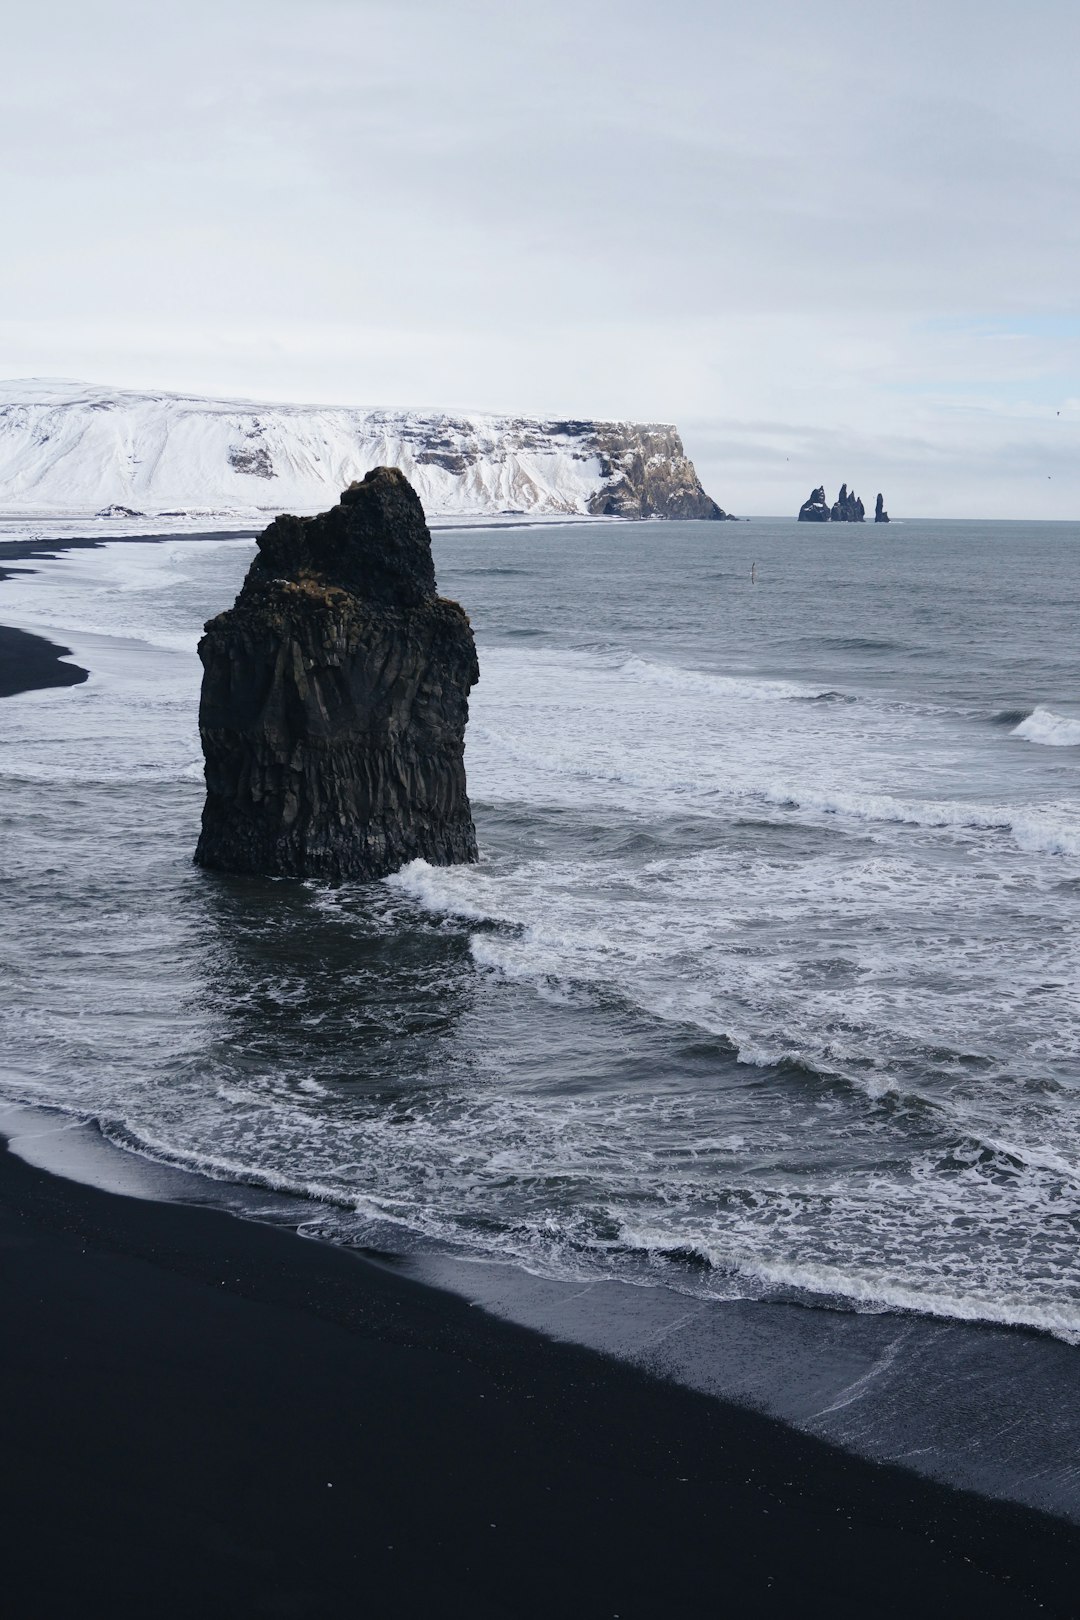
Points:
x=68 y=448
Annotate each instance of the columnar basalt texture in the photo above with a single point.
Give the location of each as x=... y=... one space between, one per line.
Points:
x=335 y=697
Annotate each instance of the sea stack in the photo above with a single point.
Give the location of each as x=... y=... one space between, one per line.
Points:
x=334 y=700
x=848 y=507
x=880 y=514
x=816 y=508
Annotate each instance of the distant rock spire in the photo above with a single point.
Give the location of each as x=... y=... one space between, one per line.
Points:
x=816 y=509
x=848 y=507
x=880 y=514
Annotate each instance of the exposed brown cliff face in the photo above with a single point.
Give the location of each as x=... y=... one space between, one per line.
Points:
x=335 y=697
x=646 y=473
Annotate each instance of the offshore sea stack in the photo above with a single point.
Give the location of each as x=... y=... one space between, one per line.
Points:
x=334 y=700
x=816 y=508
x=847 y=508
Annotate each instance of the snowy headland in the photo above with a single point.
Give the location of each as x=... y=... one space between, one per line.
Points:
x=75 y=449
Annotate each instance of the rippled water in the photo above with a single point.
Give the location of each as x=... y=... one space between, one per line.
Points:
x=766 y=984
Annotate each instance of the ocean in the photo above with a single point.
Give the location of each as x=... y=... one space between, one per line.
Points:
x=763 y=993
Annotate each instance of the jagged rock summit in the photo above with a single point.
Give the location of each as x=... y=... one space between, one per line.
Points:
x=816 y=508
x=335 y=697
x=847 y=508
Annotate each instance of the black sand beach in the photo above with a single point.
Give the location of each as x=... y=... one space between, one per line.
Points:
x=29 y=663
x=210 y=1416
x=13 y=552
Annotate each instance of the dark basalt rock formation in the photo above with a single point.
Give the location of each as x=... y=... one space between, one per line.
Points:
x=880 y=514
x=335 y=697
x=816 y=509
x=848 y=507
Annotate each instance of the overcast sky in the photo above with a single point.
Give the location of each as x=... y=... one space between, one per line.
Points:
x=830 y=241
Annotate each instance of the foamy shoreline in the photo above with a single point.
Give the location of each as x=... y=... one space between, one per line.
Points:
x=878 y=1383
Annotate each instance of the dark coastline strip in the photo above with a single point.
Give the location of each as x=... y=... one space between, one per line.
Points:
x=18 y=551
x=208 y=1416
x=30 y=663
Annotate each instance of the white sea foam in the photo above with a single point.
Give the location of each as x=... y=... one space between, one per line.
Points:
x=126 y=590
x=879 y=1247
x=131 y=613
x=708 y=684
x=1050 y=729
x=872 y=1289
x=813 y=966
x=1050 y=829
x=670 y=936
x=573 y=727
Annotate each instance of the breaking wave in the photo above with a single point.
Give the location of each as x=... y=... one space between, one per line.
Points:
x=1045 y=829
x=652 y=673
x=768 y=980
x=1050 y=729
